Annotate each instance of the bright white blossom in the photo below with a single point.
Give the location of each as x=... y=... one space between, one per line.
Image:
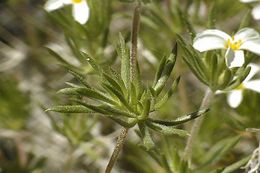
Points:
x=245 y=39
x=80 y=9
x=256 y=9
x=235 y=97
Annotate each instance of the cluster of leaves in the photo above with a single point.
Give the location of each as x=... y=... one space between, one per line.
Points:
x=127 y=103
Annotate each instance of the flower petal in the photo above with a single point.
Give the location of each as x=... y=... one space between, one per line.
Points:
x=245 y=34
x=81 y=12
x=52 y=5
x=252 y=45
x=220 y=92
x=253 y=85
x=210 y=39
x=256 y=12
x=234 y=58
x=234 y=98
x=254 y=69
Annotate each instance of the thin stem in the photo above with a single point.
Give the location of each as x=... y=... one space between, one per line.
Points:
x=119 y=145
x=134 y=36
x=133 y=66
x=196 y=126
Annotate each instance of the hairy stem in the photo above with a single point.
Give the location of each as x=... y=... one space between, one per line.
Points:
x=133 y=66
x=196 y=126
x=119 y=144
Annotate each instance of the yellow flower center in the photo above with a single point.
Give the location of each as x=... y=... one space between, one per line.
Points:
x=240 y=87
x=76 y=1
x=234 y=45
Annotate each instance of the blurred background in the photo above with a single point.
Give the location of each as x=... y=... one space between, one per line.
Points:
x=35 y=141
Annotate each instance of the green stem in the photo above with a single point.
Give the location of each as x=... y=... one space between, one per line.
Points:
x=119 y=145
x=196 y=126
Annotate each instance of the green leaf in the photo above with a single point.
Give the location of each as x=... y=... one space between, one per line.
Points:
x=97 y=109
x=224 y=79
x=90 y=93
x=237 y=165
x=87 y=58
x=137 y=81
x=165 y=74
x=184 y=19
x=124 y=53
x=179 y=120
x=242 y=74
x=166 y=130
x=113 y=83
x=73 y=46
x=172 y=156
x=118 y=79
x=213 y=71
x=72 y=85
x=168 y=94
x=217 y=151
x=212 y=15
x=184 y=167
x=117 y=112
x=160 y=70
x=122 y=122
x=70 y=109
x=78 y=76
x=119 y=96
x=146 y=109
x=193 y=60
x=245 y=20
x=57 y=56
x=146 y=137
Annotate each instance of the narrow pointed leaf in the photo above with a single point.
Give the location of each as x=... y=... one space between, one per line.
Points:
x=91 y=61
x=119 y=96
x=168 y=94
x=117 y=111
x=179 y=120
x=124 y=53
x=79 y=77
x=166 y=130
x=70 y=109
x=146 y=108
x=160 y=70
x=90 y=93
x=237 y=165
x=165 y=74
x=146 y=137
x=113 y=83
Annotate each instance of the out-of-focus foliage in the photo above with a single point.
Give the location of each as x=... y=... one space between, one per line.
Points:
x=14 y=112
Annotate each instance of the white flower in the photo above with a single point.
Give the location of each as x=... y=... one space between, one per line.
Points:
x=244 y=39
x=80 y=9
x=235 y=96
x=256 y=9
